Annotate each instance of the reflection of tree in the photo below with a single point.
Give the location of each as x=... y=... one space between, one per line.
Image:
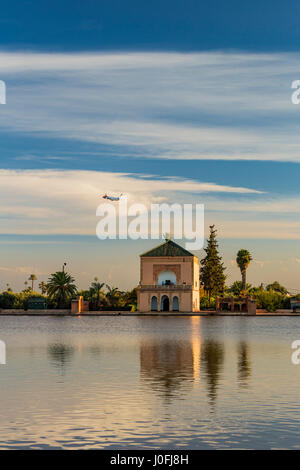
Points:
x=60 y=355
x=244 y=364
x=212 y=356
x=166 y=365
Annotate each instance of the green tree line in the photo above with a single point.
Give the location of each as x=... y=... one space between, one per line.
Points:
x=61 y=289
x=213 y=280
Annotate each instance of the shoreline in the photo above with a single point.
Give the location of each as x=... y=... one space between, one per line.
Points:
x=203 y=313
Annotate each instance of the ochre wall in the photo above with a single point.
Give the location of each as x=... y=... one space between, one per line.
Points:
x=185 y=269
x=187 y=274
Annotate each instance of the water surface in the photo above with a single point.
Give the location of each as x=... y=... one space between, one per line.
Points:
x=149 y=382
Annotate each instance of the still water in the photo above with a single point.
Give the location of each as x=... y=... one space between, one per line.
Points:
x=149 y=382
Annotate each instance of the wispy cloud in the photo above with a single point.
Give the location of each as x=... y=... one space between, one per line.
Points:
x=52 y=202
x=65 y=202
x=22 y=270
x=166 y=105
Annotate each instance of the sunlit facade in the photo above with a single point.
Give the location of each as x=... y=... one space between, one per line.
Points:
x=169 y=280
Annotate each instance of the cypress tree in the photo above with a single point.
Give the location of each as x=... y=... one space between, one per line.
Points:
x=212 y=275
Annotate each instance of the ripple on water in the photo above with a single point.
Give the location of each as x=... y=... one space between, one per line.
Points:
x=138 y=382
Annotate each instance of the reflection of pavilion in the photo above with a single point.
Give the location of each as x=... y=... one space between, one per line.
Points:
x=196 y=346
x=166 y=364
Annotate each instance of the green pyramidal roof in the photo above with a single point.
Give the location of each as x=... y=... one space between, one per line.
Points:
x=168 y=248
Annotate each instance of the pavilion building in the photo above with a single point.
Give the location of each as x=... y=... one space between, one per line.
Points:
x=169 y=280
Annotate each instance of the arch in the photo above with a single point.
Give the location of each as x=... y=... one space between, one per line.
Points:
x=153 y=304
x=166 y=278
x=165 y=303
x=175 y=304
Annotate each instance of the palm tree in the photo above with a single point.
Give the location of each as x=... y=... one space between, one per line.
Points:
x=237 y=287
x=61 y=288
x=32 y=278
x=243 y=259
x=27 y=289
x=112 y=295
x=95 y=289
x=130 y=299
x=43 y=287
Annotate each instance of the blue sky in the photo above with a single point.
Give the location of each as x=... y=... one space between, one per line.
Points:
x=185 y=101
x=172 y=25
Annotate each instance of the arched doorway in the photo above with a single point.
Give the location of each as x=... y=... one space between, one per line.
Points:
x=175 y=304
x=154 y=304
x=165 y=303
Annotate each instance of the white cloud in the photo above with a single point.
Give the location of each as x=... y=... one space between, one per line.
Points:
x=205 y=105
x=52 y=201
x=256 y=229
x=280 y=205
x=65 y=202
